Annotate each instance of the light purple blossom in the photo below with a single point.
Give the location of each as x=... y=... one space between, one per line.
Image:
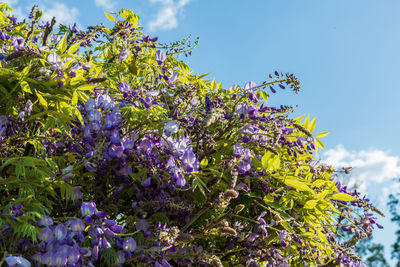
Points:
x=129 y=244
x=88 y=208
x=17 y=261
x=171 y=127
x=160 y=57
x=123 y=55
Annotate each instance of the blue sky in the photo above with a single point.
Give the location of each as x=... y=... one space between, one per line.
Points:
x=344 y=52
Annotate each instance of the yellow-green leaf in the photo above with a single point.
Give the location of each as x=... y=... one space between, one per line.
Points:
x=62 y=45
x=311 y=127
x=42 y=101
x=323 y=134
x=343 y=196
x=266 y=158
x=73 y=48
x=299 y=185
x=25 y=86
x=74 y=100
x=110 y=18
x=310 y=204
x=320 y=144
x=204 y=163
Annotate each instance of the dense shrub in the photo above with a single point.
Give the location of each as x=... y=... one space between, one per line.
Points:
x=114 y=152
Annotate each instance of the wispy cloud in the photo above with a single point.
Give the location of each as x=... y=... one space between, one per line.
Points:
x=374 y=169
x=105 y=4
x=167 y=16
x=63 y=13
x=17 y=10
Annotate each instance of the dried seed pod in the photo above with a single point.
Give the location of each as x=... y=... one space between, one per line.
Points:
x=229 y=194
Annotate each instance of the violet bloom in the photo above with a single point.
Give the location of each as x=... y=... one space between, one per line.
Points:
x=124 y=87
x=94 y=115
x=190 y=161
x=171 y=127
x=88 y=208
x=46 y=235
x=171 y=80
x=55 y=61
x=120 y=257
x=58 y=259
x=160 y=57
x=73 y=256
x=74 y=28
x=90 y=105
x=28 y=107
x=242 y=110
x=45 y=221
x=129 y=244
x=123 y=55
x=60 y=231
x=250 y=86
x=77 y=225
x=77 y=192
x=105 y=101
x=17 y=261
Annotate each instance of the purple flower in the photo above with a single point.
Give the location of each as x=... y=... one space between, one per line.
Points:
x=45 y=221
x=55 y=60
x=94 y=115
x=60 y=231
x=117 y=228
x=124 y=87
x=123 y=55
x=14 y=261
x=74 y=28
x=190 y=161
x=90 y=105
x=105 y=101
x=73 y=256
x=88 y=208
x=250 y=86
x=160 y=57
x=46 y=235
x=282 y=235
x=120 y=257
x=58 y=259
x=129 y=244
x=77 y=225
x=171 y=127
x=77 y=192
x=252 y=237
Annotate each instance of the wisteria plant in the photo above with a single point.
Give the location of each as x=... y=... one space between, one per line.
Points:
x=113 y=152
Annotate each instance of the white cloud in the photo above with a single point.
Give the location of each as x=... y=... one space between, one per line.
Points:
x=167 y=16
x=105 y=4
x=64 y=14
x=374 y=170
x=17 y=10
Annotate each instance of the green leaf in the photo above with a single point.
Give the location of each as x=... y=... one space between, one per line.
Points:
x=62 y=45
x=323 y=134
x=109 y=256
x=74 y=100
x=257 y=164
x=311 y=127
x=320 y=144
x=73 y=48
x=110 y=18
x=266 y=158
x=310 y=204
x=204 y=163
x=42 y=101
x=343 y=196
x=297 y=184
x=25 y=86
